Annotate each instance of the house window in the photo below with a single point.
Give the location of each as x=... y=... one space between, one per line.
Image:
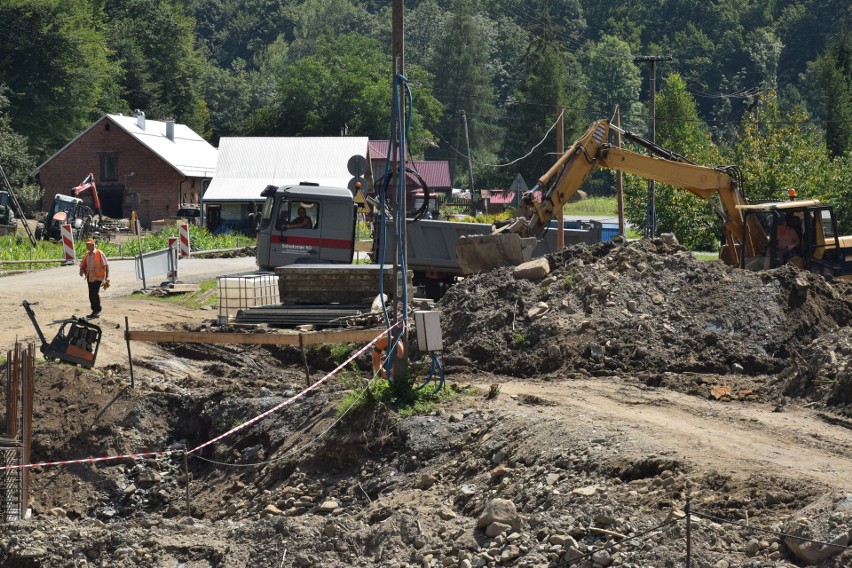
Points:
x=109 y=167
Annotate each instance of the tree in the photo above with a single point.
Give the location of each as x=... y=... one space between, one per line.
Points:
x=154 y=43
x=347 y=82
x=613 y=77
x=550 y=78
x=237 y=30
x=15 y=160
x=834 y=73
x=316 y=20
x=54 y=61
x=466 y=91
x=680 y=212
x=614 y=80
x=229 y=94
x=779 y=152
x=423 y=32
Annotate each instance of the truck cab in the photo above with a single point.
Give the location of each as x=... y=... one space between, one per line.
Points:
x=328 y=238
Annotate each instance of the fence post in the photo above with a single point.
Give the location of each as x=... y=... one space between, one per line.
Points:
x=688 y=535
x=173 y=258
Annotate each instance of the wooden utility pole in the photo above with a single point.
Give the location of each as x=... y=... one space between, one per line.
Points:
x=398 y=23
x=560 y=149
x=651 y=222
x=398 y=38
x=474 y=197
x=619 y=175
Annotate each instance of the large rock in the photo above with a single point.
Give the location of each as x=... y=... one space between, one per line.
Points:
x=827 y=520
x=500 y=511
x=535 y=269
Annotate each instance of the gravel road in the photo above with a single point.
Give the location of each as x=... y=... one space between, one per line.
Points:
x=61 y=293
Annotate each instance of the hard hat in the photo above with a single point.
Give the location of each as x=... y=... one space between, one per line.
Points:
x=90 y=241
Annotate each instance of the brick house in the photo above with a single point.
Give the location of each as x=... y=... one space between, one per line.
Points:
x=148 y=166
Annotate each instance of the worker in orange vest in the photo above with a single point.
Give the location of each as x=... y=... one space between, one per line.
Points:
x=95 y=268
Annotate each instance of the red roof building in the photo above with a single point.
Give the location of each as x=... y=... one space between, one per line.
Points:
x=435 y=173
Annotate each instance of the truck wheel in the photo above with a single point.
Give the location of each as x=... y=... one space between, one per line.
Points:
x=434 y=289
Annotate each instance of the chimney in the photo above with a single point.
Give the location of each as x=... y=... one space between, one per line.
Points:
x=140 y=118
x=170 y=130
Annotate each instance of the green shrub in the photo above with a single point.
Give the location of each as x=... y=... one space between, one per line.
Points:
x=400 y=395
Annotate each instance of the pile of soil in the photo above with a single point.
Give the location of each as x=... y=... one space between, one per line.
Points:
x=651 y=309
x=583 y=446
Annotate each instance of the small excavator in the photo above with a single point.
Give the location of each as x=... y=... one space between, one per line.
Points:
x=89 y=183
x=750 y=230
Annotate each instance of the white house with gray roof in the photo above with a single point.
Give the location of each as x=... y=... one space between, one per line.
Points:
x=245 y=166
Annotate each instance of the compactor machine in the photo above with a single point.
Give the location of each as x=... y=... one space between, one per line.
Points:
x=76 y=342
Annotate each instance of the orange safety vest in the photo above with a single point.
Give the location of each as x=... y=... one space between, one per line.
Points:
x=380 y=346
x=99 y=268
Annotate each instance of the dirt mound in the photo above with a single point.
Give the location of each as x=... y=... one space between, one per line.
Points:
x=646 y=307
x=594 y=454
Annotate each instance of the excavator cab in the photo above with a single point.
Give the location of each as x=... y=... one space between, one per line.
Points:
x=819 y=247
x=828 y=253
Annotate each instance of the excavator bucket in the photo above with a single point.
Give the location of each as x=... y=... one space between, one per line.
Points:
x=482 y=253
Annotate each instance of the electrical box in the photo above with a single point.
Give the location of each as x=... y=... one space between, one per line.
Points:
x=428 y=325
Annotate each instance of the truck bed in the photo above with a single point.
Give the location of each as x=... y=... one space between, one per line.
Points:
x=432 y=244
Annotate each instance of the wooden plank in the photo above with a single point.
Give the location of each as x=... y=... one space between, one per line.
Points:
x=182 y=287
x=312 y=338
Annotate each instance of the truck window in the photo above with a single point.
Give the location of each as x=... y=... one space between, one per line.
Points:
x=283 y=215
x=297 y=215
x=266 y=214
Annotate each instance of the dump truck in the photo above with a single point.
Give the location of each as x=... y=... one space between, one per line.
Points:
x=330 y=237
x=751 y=231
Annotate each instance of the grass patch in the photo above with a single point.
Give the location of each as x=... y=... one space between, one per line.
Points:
x=19 y=248
x=704 y=255
x=398 y=395
x=593 y=206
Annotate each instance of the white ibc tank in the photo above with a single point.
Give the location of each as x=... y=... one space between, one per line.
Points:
x=240 y=291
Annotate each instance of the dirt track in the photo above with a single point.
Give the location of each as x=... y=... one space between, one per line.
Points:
x=61 y=293
x=604 y=420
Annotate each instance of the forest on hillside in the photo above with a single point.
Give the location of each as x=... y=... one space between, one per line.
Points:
x=765 y=85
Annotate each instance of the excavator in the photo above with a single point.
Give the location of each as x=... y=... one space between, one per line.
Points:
x=89 y=183
x=751 y=231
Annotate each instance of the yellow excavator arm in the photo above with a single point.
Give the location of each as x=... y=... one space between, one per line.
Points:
x=592 y=151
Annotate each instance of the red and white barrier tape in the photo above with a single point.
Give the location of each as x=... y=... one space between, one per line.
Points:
x=205 y=444
x=92 y=460
x=292 y=399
